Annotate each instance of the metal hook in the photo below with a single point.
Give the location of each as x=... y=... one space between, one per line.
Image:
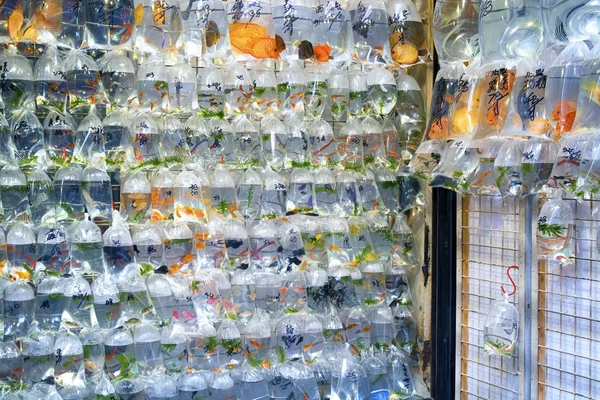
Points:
x=511 y=281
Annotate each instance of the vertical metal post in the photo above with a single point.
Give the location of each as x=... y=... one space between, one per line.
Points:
x=444 y=229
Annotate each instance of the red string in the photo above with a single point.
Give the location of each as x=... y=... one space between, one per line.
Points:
x=511 y=281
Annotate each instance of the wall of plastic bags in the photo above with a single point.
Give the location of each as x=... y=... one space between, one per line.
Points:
x=207 y=199
x=513 y=128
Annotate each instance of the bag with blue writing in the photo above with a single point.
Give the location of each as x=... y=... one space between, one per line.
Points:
x=528 y=99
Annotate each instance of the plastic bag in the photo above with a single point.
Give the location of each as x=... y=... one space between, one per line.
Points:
x=507 y=168
x=407 y=34
x=455 y=30
x=554 y=227
x=588 y=179
x=466 y=101
x=498 y=82
x=537 y=163
x=441 y=100
x=528 y=99
x=332 y=32
x=370 y=31
x=251 y=30
x=567 y=163
x=501 y=328
x=159 y=27
x=562 y=88
x=457 y=166
x=410 y=114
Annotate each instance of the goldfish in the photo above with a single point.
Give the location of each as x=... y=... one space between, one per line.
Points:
x=266 y=364
x=256 y=344
x=334 y=248
x=307 y=347
x=352 y=326
x=186 y=259
x=173 y=269
x=322 y=52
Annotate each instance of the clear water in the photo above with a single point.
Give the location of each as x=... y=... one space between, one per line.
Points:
x=254 y=390
x=176 y=251
x=135 y=205
x=41 y=197
x=338 y=103
x=69 y=195
x=317 y=298
x=59 y=141
x=273 y=201
x=257 y=348
x=247 y=148
x=108 y=311
x=296 y=149
x=211 y=102
x=300 y=197
x=330 y=25
x=98 y=198
x=147 y=355
x=28 y=141
x=93 y=358
x=281 y=388
x=48 y=310
x=358 y=103
x=78 y=309
x=37 y=367
x=221 y=146
x=149 y=254
x=117 y=257
x=164 y=306
x=534 y=175
x=50 y=95
x=249 y=200
x=153 y=95
x=370 y=31
x=306 y=388
x=66 y=364
x=383 y=98
x=174 y=356
x=293 y=23
x=373 y=148
x=109 y=25
x=342 y=292
x=315 y=98
x=203 y=352
x=410 y=191
x=119 y=86
x=382 y=335
x=15 y=203
x=19 y=254
x=264 y=252
x=264 y=100
x=18 y=316
x=118 y=359
x=159 y=37
x=114 y=135
x=326 y=198
x=72 y=26
x=183 y=96
x=274 y=149
x=390 y=194
x=373 y=287
x=268 y=298
x=291 y=96
x=81 y=86
x=15 y=93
